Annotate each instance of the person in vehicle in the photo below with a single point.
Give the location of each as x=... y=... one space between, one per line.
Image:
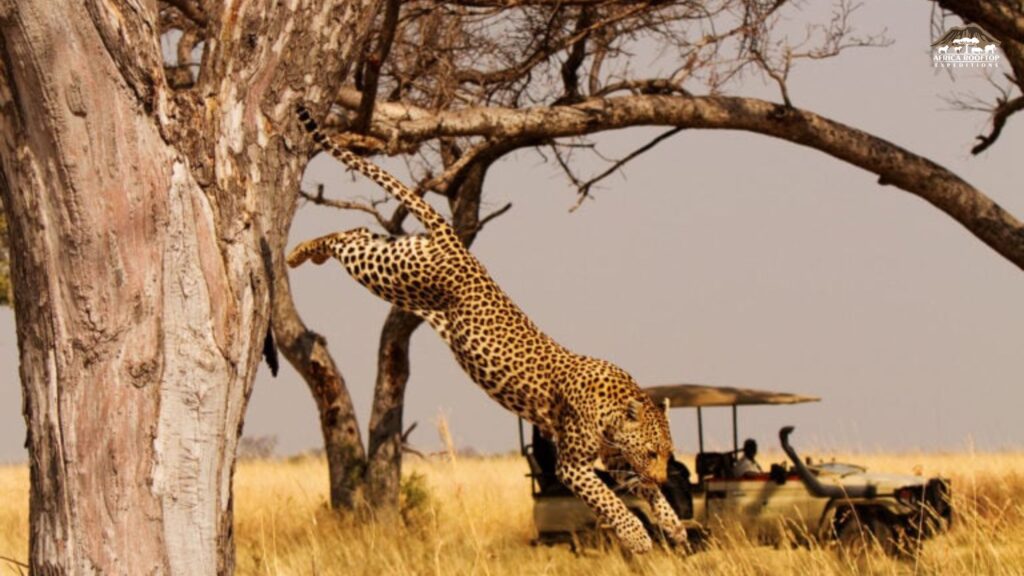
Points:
x=746 y=465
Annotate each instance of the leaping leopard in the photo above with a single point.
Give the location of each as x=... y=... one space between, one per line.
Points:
x=589 y=407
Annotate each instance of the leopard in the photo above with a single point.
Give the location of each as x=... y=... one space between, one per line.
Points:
x=589 y=408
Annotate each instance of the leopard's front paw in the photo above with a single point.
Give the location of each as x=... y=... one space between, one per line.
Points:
x=298 y=255
x=633 y=535
x=677 y=534
x=307 y=251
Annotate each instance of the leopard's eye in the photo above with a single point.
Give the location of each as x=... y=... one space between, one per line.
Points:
x=652 y=455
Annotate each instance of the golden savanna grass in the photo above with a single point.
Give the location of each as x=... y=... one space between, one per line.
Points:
x=477 y=520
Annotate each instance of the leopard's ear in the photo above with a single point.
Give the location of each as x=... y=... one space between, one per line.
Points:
x=668 y=406
x=633 y=408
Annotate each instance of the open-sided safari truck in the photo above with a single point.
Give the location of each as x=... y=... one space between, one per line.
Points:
x=794 y=502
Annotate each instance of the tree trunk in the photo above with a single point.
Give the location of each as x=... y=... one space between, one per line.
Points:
x=140 y=217
x=307 y=352
x=384 y=472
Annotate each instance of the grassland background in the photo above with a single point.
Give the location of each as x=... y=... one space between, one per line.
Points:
x=477 y=520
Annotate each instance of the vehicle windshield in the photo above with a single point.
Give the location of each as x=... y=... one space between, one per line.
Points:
x=838 y=468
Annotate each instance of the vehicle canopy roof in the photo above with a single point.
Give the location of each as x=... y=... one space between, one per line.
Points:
x=698 y=395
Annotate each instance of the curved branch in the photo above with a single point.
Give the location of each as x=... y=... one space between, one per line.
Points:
x=893 y=164
x=497 y=213
x=321 y=200
x=1005 y=20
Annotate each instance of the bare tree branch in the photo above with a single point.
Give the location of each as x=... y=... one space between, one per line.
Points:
x=778 y=75
x=493 y=215
x=578 y=52
x=371 y=209
x=1003 y=110
x=371 y=74
x=192 y=10
x=584 y=188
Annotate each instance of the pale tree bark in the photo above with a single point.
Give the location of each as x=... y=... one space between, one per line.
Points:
x=139 y=220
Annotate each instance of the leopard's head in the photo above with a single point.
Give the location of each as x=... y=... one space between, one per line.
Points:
x=643 y=438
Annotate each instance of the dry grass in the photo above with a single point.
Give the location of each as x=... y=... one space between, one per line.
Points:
x=477 y=520
x=13 y=516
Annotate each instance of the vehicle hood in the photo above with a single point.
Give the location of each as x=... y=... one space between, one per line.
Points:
x=883 y=481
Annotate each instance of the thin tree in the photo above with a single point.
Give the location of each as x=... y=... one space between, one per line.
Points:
x=6 y=289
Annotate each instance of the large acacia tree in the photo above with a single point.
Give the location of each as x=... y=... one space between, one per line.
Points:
x=145 y=218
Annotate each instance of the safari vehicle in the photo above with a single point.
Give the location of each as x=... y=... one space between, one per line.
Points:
x=795 y=502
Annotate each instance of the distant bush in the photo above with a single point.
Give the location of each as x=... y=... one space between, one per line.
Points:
x=256 y=447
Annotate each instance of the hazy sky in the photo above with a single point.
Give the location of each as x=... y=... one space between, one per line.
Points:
x=723 y=258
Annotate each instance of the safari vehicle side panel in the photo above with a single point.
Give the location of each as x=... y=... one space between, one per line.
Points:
x=763 y=507
x=564 y=515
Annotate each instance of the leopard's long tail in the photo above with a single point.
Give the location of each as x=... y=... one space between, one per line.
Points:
x=419 y=207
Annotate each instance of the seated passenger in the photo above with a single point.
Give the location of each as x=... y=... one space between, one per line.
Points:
x=747 y=464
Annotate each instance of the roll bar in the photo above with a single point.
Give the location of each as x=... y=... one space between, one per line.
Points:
x=815 y=486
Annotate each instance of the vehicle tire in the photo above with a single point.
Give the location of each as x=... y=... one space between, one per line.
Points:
x=853 y=535
x=862 y=532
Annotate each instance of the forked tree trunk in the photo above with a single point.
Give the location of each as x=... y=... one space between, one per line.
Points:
x=384 y=470
x=141 y=218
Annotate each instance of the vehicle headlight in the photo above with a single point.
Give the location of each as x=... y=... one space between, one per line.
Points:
x=908 y=494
